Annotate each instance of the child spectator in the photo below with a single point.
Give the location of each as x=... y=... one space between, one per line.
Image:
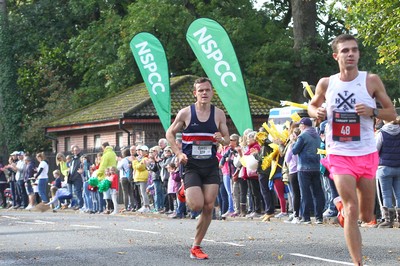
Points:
x=114 y=188
x=56 y=185
x=68 y=160
x=174 y=182
x=107 y=194
x=94 y=193
x=60 y=195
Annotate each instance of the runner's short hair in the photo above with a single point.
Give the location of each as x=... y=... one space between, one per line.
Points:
x=201 y=80
x=342 y=38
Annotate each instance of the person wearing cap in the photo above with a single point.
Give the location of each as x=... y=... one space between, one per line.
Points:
x=306 y=146
x=12 y=168
x=348 y=101
x=19 y=177
x=204 y=126
x=141 y=176
x=125 y=177
x=166 y=158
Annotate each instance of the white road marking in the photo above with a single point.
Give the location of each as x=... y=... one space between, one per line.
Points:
x=142 y=231
x=85 y=226
x=9 y=217
x=21 y=222
x=44 y=222
x=318 y=258
x=222 y=242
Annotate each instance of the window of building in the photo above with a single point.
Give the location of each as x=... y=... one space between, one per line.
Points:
x=119 y=139
x=140 y=137
x=85 y=143
x=67 y=143
x=97 y=141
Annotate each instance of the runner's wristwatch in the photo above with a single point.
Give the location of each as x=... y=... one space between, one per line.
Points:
x=375 y=112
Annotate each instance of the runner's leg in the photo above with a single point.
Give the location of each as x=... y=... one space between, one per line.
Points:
x=346 y=186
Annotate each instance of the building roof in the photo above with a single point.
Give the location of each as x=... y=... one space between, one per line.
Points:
x=135 y=102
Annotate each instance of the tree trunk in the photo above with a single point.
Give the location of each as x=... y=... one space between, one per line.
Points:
x=3 y=7
x=304 y=14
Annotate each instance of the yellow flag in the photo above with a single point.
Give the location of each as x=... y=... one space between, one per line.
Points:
x=308 y=88
x=295 y=117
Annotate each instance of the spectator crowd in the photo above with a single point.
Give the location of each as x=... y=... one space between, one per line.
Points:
x=261 y=177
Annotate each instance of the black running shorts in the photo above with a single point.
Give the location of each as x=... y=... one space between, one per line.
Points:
x=201 y=172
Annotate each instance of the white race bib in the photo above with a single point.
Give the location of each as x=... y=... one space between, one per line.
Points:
x=202 y=149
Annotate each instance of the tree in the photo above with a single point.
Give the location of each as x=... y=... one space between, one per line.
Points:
x=305 y=44
x=377 y=22
x=10 y=101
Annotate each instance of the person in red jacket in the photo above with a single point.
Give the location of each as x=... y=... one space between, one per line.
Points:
x=113 y=177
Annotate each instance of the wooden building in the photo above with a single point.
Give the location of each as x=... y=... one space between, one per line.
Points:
x=130 y=118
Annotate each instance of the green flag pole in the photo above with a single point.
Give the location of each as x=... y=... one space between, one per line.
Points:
x=150 y=57
x=214 y=50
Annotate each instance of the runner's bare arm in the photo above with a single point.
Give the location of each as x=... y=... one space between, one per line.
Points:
x=178 y=124
x=222 y=127
x=375 y=85
x=315 y=108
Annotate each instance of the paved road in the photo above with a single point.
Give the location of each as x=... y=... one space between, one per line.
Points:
x=73 y=238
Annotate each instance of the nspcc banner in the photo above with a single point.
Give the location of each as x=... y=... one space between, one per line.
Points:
x=214 y=50
x=150 y=57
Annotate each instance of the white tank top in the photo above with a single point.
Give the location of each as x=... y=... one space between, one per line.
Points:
x=347 y=133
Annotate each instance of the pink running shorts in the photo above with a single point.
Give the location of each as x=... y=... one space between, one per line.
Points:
x=357 y=166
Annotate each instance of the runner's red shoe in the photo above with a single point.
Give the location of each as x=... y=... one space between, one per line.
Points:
x=197 y=253
x=339 y=206
x=181 y=193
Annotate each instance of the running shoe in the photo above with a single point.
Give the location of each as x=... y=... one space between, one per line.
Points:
x=372 y=224
x=197 y=253
x=339 y=205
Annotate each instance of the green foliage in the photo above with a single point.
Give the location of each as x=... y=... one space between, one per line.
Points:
x=94 y=49
x=377 y=23
x=10 y=102
x=168 y=22
x=64 y=55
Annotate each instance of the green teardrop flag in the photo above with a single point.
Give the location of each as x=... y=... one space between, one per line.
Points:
x=214 y=50
x=150 y=57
